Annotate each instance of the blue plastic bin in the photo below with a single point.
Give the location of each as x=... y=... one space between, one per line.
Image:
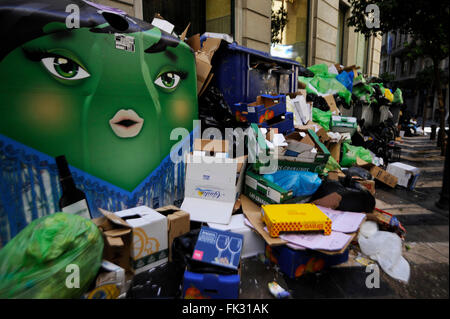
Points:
x=242 y=73
x=210 y=286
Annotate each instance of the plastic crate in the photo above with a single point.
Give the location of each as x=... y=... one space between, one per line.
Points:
x=267 y=108
x=210 y=286
x=242 y=73
x=295 y=263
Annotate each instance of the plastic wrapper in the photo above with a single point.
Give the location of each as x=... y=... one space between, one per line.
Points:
x=322 y=118
x=33 y=264
x=301 y=183
x=350 y=153
x=346 y=78
x=398 y=97
x=332 y=165
x=388 y=94
x=320 y=70
x=385 y=248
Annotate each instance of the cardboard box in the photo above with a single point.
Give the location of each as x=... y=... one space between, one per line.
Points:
x=253 y=214
x=343 y=124
x=294 y=217
x=295 y=263
x=203 y=57
x=378 y=173
x=219 y=248
x=213 y=183
x=109 y=284
x=149 y=245
x=253 y=243
x=332 y=104
x=369 y=185
x=407 y=175
x=117 y=240
x=263 y=191
x=312 y=162
x=178 y=223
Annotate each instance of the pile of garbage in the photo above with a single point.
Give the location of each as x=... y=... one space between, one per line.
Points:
x=296 y=184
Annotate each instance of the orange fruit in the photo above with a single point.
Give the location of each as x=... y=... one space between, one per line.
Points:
x=318 y=265
x=300 y=270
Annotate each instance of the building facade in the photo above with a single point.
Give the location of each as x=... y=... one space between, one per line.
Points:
x=315 y=31
x=403 y=72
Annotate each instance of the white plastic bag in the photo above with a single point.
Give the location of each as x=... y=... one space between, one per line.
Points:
x=386 y=248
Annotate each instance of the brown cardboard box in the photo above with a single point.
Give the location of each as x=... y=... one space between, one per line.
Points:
x=117 y=241
x=178 y=223
x=378 y=173
x=335 y=150
x=203 y=57
x=369 y=185
x=332 y=104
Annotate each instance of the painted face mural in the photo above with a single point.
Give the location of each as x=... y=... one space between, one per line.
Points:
x=106 y=95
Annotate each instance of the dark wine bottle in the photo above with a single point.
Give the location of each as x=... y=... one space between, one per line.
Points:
x=73 y=200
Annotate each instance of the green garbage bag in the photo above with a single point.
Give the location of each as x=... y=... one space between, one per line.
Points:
x=34 y=264
x=350 y=152
x=398 y=96
x=320 y=70
x=322 y=118
x=332 y=165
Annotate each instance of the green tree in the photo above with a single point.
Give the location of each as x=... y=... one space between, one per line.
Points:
x=427 y=22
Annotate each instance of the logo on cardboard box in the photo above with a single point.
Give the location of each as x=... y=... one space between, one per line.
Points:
x=208 y=193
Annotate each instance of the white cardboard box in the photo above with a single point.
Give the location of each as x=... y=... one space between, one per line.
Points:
x=407 y=175
x=149 y=237
x=212 y=187
x=254 y=244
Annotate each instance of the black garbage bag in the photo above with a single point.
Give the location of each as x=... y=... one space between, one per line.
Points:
x=165 y=281
x=317 y=102
x=351 y=198
x=182 y=250
x=214 y=111
x=356 y=171
x=341 y=102
x=302 y=71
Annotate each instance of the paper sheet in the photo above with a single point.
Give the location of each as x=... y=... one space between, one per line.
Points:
x=345 y=222
x=335 y=241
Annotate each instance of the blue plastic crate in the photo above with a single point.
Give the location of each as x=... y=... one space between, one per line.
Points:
x=242 y=73
x=210 y=286
x=265 y=108
x=284 y=126
x=295 y=263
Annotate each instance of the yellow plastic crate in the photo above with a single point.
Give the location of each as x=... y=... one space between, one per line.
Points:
x=294 y=217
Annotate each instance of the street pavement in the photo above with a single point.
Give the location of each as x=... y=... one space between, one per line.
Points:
x=426 y=246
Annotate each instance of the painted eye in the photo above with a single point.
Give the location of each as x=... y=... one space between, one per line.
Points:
x=168 y=80
x=64 y=68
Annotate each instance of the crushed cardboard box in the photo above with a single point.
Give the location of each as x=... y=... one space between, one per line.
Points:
x=203 y=58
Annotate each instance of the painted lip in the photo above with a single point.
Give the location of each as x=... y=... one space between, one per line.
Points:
x=126 y=123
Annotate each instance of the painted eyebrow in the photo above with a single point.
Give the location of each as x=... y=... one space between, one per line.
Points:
x=162 y=45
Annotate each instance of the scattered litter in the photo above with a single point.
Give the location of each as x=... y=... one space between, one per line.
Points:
x=277 y=291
